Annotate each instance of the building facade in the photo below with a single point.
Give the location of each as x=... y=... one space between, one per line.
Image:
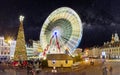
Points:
x=110 y=50
x=12 y=48
x=34 y=49
x=94 y=52
x=7 y=49
x=4 y=50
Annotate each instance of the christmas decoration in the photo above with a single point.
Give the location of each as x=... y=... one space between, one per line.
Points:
x=20 y=49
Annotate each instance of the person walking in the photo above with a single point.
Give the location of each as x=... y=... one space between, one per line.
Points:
x=110 y=70
x=105 y=71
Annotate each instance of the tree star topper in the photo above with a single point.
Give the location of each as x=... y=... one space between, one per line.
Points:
x=21 y=18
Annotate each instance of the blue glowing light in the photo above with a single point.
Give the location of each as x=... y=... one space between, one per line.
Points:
x=55 y=33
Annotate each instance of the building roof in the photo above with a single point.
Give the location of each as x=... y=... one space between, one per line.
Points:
x=107 y=45
x=58 y=57
x=115 y=42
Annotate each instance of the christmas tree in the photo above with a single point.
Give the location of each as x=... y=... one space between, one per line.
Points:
x=20 y=49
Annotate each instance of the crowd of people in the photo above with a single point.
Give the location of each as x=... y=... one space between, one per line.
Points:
x=31 y=66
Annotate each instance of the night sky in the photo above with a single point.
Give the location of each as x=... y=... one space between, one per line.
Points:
x=100 y=18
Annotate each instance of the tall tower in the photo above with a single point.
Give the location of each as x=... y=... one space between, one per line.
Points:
x=112 y=39
x=20 y=49
x=116 y=37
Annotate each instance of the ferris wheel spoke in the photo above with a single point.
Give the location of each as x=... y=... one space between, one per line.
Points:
x=64 y=38
x=62 y=42
x=70 y=45
x=73 y=42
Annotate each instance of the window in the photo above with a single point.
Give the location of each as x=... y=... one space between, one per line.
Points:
x=66 y=61
x=8 y=52
x=53 y=61
x=5 y=53
x=1 y=52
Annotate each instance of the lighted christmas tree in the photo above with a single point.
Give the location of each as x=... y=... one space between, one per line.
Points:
x=20 y=49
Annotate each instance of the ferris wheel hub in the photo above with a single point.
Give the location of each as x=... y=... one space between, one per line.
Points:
x=55 y=33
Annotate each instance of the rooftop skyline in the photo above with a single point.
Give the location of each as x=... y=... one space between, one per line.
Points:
x=100 y=18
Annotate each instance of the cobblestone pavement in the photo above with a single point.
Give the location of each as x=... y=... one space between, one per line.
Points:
x=86 y=70
x=98 y=70
x=13 y=72
x=116 y=66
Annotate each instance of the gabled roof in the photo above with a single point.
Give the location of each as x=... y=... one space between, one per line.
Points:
x=58 y=57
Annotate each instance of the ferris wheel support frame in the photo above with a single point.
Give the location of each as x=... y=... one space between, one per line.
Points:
x=57 y=44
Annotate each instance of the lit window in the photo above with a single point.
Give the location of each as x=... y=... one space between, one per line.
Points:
x=53 y=61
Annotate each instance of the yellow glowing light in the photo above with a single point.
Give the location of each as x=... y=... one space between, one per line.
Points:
x=9 y=41
x=44 y=58
x=86 y=59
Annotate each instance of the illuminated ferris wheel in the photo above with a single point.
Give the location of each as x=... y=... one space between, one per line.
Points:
x=61 y=31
